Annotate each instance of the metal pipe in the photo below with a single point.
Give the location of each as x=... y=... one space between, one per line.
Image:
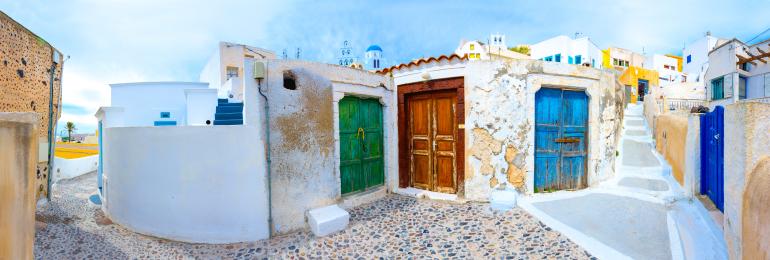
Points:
x=50 y=122
x=267 y=153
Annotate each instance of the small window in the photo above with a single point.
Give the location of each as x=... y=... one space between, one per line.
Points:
x=549 y=58
x=578 y=59
x=746 y=66
x=288 y=81
x=615 y=62
x=570 y=60
x=165 y=114
x=689 y=58
x=557 y=58
x=473 y=47
x=232 y=72
x=717 y=88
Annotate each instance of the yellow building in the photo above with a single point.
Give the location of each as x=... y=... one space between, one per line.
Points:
x=620 y=58
x=639 y=81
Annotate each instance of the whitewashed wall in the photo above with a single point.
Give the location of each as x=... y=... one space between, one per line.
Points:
x=143 y=101
x=71 y=168
x=187 y=183
x=500 y=119
x=699 y=54
x=304 y=144
x=201 y=105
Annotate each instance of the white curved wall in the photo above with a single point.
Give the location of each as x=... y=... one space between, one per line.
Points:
x=71 y=168
x=202 y=184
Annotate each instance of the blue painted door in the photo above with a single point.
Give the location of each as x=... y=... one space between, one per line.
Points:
x=712 y=156
x=561 y=119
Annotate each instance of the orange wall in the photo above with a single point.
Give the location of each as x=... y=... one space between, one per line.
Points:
x=670 y=137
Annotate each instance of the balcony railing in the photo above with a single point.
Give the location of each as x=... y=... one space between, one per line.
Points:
x=673 y=104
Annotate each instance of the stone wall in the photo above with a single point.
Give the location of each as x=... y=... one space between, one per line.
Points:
x=25 y=84
x=500 y=107
x=303 y=134
x=18 y=159
x=747 y=135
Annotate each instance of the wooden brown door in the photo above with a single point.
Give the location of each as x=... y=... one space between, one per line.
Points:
x=432 y=135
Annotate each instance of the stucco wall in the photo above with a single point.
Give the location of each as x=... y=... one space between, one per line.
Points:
x=71 y=168
x=756 y=212
x=303 y=138
x=671 y=139
x=25 y=62
x=747 y=135
x=500 y=107
x=18 y=159
x=142 y=102
x=202 y=184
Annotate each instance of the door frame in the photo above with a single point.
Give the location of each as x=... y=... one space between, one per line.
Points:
x=584 y=181
x=445 y=84
x=385 y=96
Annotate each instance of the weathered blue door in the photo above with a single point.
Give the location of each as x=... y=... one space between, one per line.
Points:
x=561 y=119
x=712 y=156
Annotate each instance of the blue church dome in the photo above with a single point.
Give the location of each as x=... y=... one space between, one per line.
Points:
x=374 y=48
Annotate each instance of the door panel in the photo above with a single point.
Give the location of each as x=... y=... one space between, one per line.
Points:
x=421 y=165
x=361 y=147
x=712 y=152
x=561 y=119
x=432 y=137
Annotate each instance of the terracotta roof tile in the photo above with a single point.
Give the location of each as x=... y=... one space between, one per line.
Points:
x=421 y=61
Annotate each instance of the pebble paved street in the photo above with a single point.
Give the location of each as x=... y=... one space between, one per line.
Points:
x=396 y=227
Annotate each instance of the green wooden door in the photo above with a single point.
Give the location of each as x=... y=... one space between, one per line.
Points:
x=361 y=163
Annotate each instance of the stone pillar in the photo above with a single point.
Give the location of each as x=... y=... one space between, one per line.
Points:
x=692 y=156
x=18 y=160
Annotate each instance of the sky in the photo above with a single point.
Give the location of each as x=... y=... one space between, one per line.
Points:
x=115 y=41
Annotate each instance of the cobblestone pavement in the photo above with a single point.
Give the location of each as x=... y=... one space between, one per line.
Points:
x=70 y=227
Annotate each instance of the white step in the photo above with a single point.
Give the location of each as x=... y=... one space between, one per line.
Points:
x=327 y=220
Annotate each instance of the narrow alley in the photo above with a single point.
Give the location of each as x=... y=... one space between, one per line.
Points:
x=642 y=202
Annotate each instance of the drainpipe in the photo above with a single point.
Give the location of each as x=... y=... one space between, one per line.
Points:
x=267 y=155
x=50 y=121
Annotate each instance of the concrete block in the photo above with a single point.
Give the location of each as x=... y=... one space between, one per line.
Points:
x=327 y=220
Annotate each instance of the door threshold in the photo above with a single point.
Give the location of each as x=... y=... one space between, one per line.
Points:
x=350 y=201
x=426 y=194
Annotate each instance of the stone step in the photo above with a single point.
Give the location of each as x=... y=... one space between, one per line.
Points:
x=229 y=109
x=228 y=116
x=229 y=122
x=646 y=184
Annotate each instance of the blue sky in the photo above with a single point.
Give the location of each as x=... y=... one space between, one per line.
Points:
x=150 y=40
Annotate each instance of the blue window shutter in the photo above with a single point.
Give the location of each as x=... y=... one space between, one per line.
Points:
x=689 y=58
x=578 y=59
x=165 y=114
x=557 y=58
x=569 y=59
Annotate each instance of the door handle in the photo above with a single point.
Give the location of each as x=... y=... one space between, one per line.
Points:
x=567 y=140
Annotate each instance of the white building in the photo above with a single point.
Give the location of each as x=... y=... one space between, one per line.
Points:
x=567 y=50
x=668 y=68
x=695 y=57
x=373 y=59
x=292 y=147
x=496 y=49
x=738 y=72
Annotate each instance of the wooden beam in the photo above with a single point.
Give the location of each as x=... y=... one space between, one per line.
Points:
x=742 y=59
x=755 y=57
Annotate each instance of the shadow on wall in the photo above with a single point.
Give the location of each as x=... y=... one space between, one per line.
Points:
x=756 y=212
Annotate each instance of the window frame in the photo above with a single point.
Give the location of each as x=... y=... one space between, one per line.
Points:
x=721 y=85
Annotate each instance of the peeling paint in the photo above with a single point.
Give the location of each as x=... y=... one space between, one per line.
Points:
x=484 y=146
